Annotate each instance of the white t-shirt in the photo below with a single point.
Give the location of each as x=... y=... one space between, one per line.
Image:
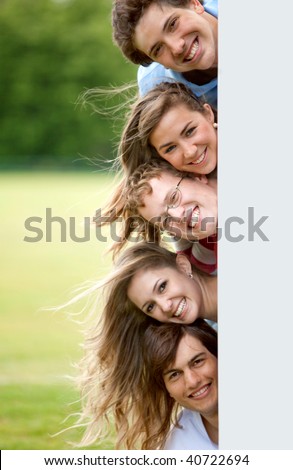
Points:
x=192 y=435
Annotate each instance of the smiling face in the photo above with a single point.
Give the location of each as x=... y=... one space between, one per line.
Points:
x=196 y=214
x=166 y=294
x=192 y=379
x=182 y=39
x=187 y=139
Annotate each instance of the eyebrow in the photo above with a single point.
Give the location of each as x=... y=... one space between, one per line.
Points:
x=197 y=356
x=154 y=288
x=181 y=133
x=163 y=30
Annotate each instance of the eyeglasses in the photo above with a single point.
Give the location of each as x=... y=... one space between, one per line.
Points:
x=173 y=199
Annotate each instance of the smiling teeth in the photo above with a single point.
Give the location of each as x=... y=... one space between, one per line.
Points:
x=200 y=392
x=200 y=159
x=180 y=308
x=195 y=217
x=193 y=50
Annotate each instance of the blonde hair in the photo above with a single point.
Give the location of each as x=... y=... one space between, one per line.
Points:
x=131 y=194
x=144 y=116
x=135 y=151
x=112 y=376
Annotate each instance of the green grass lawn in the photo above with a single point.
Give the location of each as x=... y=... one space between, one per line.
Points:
x=38 y=347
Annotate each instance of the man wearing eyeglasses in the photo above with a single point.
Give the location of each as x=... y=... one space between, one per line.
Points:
x=182 y=204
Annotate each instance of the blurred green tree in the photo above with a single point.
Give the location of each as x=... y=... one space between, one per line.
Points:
x=52 y=50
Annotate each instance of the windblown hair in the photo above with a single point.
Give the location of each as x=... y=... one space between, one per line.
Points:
x=125 y=16
x=160 y=344
x=133 y=226
x=112 y=375
x=135 y=150
x=145 y=115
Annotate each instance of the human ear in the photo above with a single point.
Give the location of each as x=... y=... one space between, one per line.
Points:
x=202 y=178
x=183 y=264
x=209 y=114
x=197 y=6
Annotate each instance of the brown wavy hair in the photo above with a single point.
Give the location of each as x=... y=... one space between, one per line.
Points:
x=144 y=116
x=138 y=160
x=125 y=16
x=160 y=344
x=125 y=207
x=112 y=377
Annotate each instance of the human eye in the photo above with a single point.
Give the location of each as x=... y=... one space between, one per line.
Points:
x=173 y=198
x=170 y=149
x=170 y=224
x=190 y=131
x=162 y=286
x=157 y=50
x=173 y=376
x=198 y=361
x=166 y=222
x=150 y=308
x=173 y=24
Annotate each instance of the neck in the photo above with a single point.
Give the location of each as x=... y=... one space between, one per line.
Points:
x=208 y=285
x=213 y=175
x=201 y=77
x=212 y=181
x=211 y=424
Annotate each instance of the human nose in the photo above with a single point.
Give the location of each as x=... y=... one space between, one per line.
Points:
x=189 y=150
x=192 y=379
x=176 y=46
x=165 y=305
x=176 y=212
